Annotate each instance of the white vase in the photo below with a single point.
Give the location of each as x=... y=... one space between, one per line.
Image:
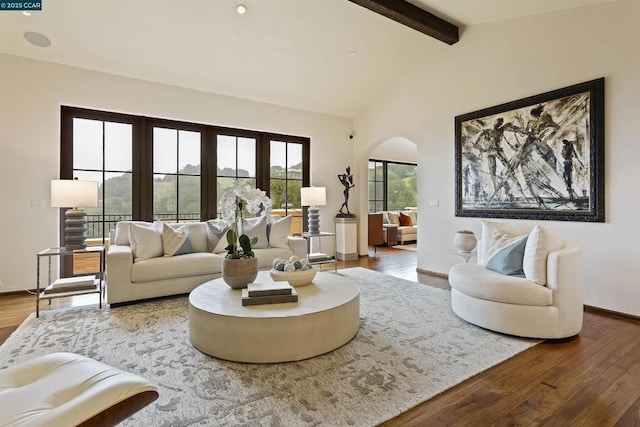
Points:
x=464 y=241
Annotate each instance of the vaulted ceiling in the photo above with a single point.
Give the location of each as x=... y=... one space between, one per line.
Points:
x=330 y=56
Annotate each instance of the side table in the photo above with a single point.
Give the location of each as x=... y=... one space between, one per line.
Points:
x=319 y=258
x=465 y=255
x=99 y=281
x=390 y=234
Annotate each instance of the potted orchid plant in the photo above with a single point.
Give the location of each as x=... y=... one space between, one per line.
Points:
x=240 y=266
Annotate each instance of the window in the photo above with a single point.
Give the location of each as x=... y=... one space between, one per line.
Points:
x=392 y=185
x=236 y=159
x=102 y=153
x=176 y=175
x=173 y=171
x=376 y=186
x=285 y=180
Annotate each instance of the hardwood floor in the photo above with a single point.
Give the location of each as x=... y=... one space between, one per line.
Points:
x=592 y=380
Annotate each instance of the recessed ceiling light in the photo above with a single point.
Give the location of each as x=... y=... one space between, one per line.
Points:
x=37 y=39
x=25 y=13
x=241 y=9
x=353 y=53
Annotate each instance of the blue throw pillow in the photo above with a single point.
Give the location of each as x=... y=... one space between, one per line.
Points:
x=508 y=259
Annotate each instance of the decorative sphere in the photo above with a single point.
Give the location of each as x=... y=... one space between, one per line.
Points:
x=304 y=261
x=309 y=266
x=297 y=265
x=276 y=262
x=289 y=268
x=280 y=266
x=304 y=268
x=294 y=258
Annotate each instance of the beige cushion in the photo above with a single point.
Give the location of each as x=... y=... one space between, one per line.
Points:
x=122 y=231
x=479 y=282
x=216 y=235
x=278 y=232
x=174 y=239
x=146 y=240
x=385 y=217
x=197 y=234
x=394 y=218
x=541 y=241
x=266 y=256
x=414 y=216
x=406 y=230
x=257 y=227
x=188 y=265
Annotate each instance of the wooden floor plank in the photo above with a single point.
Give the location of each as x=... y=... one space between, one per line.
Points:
x=631 y=418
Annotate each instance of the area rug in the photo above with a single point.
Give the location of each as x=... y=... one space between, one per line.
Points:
x=410 y=347
x=408 y=247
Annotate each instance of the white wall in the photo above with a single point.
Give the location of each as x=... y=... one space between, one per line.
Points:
x=509 y=60
x=31 y=93
x=396 y=149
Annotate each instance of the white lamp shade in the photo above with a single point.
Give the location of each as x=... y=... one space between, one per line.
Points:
x=313 y=196
x=73 y=193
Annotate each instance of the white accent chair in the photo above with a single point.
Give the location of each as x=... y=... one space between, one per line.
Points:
x=518 y=306
x=66 y=389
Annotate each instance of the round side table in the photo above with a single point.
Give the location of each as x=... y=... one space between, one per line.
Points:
x=465 y=255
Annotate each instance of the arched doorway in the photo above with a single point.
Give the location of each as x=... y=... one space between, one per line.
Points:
x=392 y=188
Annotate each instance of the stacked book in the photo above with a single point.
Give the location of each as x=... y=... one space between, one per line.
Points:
x=258 y=293
x=319 y=257
x=68 y=284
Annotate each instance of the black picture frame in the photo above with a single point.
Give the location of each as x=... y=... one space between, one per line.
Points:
x=539 y=158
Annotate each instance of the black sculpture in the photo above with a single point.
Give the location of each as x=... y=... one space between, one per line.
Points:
x=346 y=179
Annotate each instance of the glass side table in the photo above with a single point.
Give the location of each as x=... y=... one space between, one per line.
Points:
x=96 y=288
x=466 y=256
x=320 y=258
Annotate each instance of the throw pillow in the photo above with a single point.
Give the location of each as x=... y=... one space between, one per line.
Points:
x=278 y=232
x=385 y=217
x=414 y=217
x=506 y=255
x=257 y=227
x=490 y=227
x=394 y=218
x=122 y=232
x=175 y=241
x=146 y=240
x=542 y=240
x=405 y=220
x=216 y=235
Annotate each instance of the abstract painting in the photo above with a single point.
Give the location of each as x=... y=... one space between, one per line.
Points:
x=540 y=157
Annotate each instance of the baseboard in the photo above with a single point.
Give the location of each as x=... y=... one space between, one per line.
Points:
x=432 y=273
x=592 y=309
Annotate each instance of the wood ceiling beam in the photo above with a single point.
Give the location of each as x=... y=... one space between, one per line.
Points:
x=413 y=17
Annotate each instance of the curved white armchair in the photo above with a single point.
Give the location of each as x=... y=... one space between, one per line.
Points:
x=517 y=306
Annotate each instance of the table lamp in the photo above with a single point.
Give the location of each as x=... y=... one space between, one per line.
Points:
x=312 y=197
x=76 y=194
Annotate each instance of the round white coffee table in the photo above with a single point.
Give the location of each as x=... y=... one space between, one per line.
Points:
x=326 y=316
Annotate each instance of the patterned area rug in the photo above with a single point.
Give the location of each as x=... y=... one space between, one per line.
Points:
x=410 y=347
x=408 y=247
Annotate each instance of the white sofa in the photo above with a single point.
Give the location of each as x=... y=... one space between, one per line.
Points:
x=129 y=280
x=520 y=306
x=406 y=233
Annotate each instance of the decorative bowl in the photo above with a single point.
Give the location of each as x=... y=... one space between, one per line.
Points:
x=295 y=278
